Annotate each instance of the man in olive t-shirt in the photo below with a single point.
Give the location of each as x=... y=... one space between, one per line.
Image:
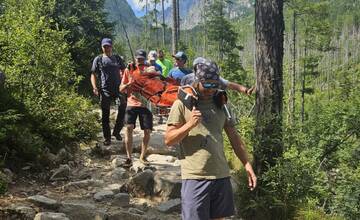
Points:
x=206 y=190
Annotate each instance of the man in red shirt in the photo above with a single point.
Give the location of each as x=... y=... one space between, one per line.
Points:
x=136 y=107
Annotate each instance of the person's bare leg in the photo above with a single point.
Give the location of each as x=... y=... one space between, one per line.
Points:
x=129 y=140
x=145 y=143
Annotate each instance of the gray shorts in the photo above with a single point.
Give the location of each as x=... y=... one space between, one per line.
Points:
x=206 y=199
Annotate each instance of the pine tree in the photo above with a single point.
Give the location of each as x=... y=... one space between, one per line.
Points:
x=269 y=23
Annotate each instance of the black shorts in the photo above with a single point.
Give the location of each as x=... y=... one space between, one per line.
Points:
x=145 y=117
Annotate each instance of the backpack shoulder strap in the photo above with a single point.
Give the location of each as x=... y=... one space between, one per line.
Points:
x=120 y=61
x=99 y=64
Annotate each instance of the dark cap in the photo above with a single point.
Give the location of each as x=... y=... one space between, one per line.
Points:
x=180 y=55
x=140 y=54
x=106 y=42
x=207 y=71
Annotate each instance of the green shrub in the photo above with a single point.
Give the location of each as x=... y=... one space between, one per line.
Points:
x=284 y=187
x=3 y=184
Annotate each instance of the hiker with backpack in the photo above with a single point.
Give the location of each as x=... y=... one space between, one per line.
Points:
x=224 y=84
x=206 y=191
x=179 y=71
x=108 y=68
x=136 y=107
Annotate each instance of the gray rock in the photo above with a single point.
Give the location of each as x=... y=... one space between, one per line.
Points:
x=82 y=184
x=118 y=173
x=103 y=195
x=44 y=202
x=142 y=184
x=50 y=216
x=62 y=173
x=135 y=211
x=167 y=185
x=121 y=199
x=115 y=188
x=8 y=175
x=17 y=211
x=117 y=162
x=138 y=167
x=81 y=211
x=123 y=215
x=173 y=205
x=62 y=156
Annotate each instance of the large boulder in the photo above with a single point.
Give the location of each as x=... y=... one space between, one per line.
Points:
x=167 y=185
x=103 y=195
x=141 y=184
x=81 y=211
x=44 y=202
x=121 y=199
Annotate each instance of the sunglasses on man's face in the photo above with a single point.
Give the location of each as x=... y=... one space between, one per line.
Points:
x=210 y=85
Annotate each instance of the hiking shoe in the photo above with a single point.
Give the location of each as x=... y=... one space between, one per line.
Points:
x=127 y=163
x=107 y=142
x=118 y=137
x=144 y=161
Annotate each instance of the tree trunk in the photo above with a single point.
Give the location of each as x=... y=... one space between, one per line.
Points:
x=269 y=25
x=174 y=28
x=203 y=15
x=163 y=22
x=178 y=19
x=156 y=24
x=293 y=76
x=146 y=26
x=303 y=86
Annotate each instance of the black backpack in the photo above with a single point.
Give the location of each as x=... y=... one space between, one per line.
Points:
x=100 y=66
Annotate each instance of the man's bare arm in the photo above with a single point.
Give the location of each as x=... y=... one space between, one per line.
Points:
x=239 y=148
x=93 y=84
x=240 y=88
x=175 y=133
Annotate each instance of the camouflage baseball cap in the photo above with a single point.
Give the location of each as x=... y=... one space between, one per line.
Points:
x=207 y=71
x=198 y=60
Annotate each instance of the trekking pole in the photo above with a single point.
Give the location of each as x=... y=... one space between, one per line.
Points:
x=126 y=34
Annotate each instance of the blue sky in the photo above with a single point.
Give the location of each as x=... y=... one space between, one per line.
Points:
x=137 y=6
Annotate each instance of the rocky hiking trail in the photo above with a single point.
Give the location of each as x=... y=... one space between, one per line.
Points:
x=93 y=185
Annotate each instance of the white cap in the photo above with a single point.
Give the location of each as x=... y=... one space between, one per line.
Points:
x=152 y=55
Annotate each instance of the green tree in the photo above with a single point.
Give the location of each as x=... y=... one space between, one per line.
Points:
x=38 y=66
x=84 y=24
